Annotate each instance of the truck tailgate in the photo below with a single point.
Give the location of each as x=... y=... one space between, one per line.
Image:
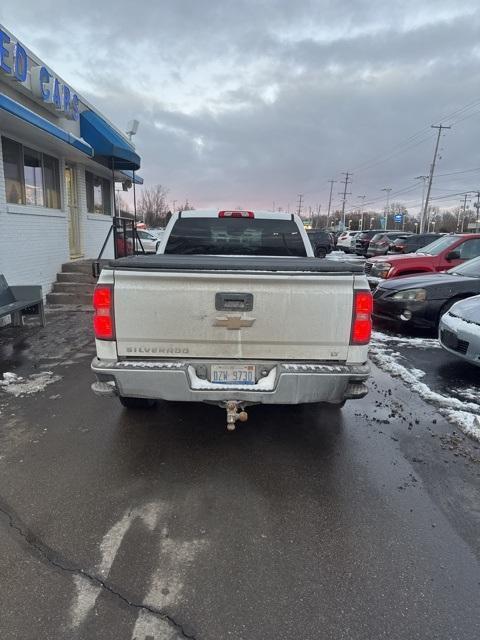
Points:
x=173 y=314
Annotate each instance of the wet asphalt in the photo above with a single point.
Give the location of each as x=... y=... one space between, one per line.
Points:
x=307 y=522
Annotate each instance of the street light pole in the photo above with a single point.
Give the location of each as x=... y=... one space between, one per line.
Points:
x=424 y=178
x=387 y=189
x=362 y=198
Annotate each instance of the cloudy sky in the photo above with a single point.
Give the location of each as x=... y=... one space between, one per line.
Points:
x=251 y=102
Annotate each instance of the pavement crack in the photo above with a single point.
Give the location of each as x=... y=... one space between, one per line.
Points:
x=54 y=559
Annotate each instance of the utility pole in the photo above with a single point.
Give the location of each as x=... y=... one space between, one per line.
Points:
x=174 y=203
x=424 y=178
x=477 y=207
x=460 y=227
x=332 y=182
x=440 y=128
x=344 y=194
x=387 y=189
x=362 y=198
x=299 y=206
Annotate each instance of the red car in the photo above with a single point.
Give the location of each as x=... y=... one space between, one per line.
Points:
x=445 y=253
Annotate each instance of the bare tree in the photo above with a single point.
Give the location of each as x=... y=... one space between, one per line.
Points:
x=153 y=206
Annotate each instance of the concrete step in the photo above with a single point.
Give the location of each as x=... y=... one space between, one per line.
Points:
x=73 y=287
x=76 y=276
x=82 y=266
x=72 y=299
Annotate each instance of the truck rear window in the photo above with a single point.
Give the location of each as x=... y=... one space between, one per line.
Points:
x=235 y=236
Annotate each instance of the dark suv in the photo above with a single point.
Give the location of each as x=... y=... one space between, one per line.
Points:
x=363 y=240
x=380 y=243
x=321 y=242
x=411 y=243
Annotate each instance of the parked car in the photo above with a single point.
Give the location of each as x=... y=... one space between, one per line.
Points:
x=149 y=242
x=441 y=255
x=410 y=244
x=158 y=233
x=344 y=241
x=459 y=330
x=321 y=242
x=362 y=240
x=421 y=300
x=196 y=324
x=380 y=243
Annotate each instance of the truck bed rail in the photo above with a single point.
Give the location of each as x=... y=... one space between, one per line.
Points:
x=294 y=265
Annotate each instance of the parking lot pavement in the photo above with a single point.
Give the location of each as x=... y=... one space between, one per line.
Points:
x=305 y=523
x=449 y=384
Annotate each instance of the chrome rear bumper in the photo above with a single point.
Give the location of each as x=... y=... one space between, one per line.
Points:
x=286 y=383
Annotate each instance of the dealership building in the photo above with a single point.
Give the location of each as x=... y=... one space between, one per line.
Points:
x=59 y=162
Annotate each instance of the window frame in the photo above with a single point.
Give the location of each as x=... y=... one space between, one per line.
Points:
x=463 y=244
x=103 y=184
x=24 y=143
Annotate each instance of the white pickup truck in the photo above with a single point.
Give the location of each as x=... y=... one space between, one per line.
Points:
x=233 y=310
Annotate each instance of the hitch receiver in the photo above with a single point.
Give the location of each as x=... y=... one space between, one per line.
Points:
x=233 y=414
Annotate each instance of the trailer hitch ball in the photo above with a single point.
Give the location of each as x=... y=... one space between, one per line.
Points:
x=233 y=414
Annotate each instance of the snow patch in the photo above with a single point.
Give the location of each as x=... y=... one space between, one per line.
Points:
x=468 y=422
x=19 y=386
x=464 y=414
x=423 y=343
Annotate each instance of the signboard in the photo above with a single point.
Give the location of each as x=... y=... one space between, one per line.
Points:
x=40 y=82
x=398 y=217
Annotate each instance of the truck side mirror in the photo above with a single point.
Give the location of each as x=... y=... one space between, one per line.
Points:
x=453 y=255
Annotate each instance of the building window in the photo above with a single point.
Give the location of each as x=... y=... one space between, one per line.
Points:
x=32 y=171
x=51 y=178
x=31 y=177
x=13 y=170
x=98 y=194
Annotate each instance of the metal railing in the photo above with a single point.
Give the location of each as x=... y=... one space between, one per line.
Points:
x=125 y=242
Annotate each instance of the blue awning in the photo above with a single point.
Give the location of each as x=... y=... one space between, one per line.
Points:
x=18 y=110
x=129 y=174
x=108 y=143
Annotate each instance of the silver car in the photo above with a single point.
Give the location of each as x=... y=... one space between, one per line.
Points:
x=459 y=330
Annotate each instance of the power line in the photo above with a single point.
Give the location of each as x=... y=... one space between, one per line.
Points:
x=457 y=173
x=412 y=141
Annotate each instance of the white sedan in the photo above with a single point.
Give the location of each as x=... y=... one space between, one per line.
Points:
x=149 y=242
x=459 y=330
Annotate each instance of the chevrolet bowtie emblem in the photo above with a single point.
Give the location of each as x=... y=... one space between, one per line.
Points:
x=233 y=322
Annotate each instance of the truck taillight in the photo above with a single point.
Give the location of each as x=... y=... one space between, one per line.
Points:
x=362 y=317
x=236 y=214
x=103 y=323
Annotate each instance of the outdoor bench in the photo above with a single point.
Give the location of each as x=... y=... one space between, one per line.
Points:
x=14 y=300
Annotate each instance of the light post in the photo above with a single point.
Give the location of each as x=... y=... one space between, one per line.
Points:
x=387 y=189
x=424 y=178
x=132 y=128
x=362 y=198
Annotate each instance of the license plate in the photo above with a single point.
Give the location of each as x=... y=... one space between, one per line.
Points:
x=232 y=374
